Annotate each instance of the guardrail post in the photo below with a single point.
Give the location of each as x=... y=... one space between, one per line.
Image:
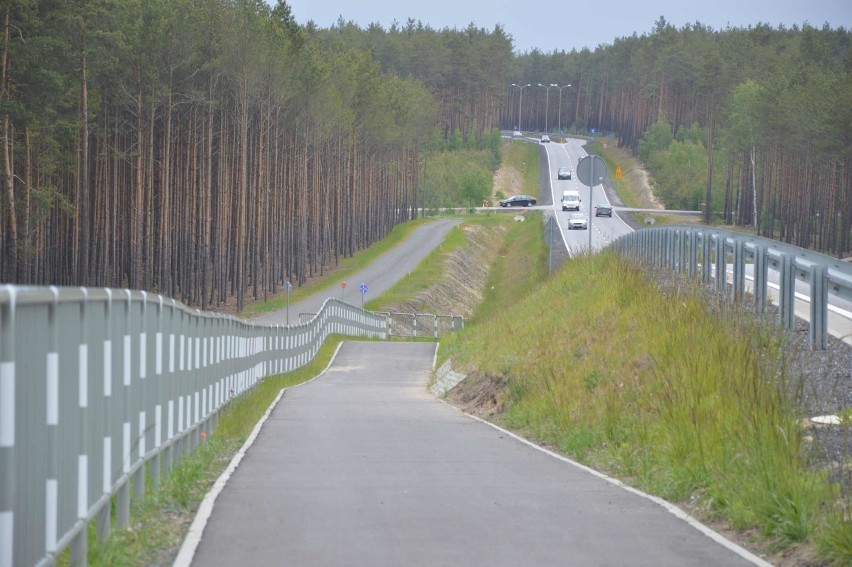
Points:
x=761 y=277
x=692 y=260
x=739 y=270
x=706 y=253
x=787 y=292
x=8 y=484
x=122 y=511
x=721 y=264
x=80 y=544
x=51 y=497
x=819 y=307
x=103 y=519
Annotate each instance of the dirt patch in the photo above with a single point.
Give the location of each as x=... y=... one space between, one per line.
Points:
x=479 y=394
x=507 y=182
x=466 y=271
x=635 y=177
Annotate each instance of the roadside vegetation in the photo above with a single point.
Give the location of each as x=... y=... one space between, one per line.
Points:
x=682 y=398
x=457 y=171
x=521 y=166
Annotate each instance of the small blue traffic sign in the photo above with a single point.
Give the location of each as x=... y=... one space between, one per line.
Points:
x=363 y=288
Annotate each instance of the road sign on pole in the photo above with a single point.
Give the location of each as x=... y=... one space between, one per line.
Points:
x=289 y=287
x=591 y=171
x=363 y=289
x=342 y=290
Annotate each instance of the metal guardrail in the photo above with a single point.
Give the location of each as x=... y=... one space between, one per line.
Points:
x=414 y=325
x=422 y=324
x=703 y=252
x=98 y=385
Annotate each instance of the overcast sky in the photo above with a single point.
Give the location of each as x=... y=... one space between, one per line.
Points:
x=561 y=25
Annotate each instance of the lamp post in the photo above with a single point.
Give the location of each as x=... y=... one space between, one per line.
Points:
x=521 y=88
x=559 y=126
x=547 y=102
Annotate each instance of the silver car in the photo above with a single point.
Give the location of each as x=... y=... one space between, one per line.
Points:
x=578 y=221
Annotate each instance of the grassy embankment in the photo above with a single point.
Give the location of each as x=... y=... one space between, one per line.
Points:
x=681 y=400
x=521 y=171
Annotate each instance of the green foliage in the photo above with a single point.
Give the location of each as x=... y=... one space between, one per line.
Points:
x=714 y=423
x=657 y=138
x=679 y=173
x=456 y=179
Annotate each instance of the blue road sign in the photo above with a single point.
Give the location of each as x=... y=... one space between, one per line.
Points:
x=363 y=288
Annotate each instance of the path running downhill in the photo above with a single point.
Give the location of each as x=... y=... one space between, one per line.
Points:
x=379 y=276
x=363 y=467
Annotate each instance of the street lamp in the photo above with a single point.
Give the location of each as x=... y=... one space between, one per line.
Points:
x=547 y=101
x=559 y=126
x=521 y=88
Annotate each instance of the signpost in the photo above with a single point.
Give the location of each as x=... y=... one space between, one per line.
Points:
x=363 y=289
x=342 y=290
x=591 y=171
x=289 y=287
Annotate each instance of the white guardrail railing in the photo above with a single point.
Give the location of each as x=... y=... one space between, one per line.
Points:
x=703 y=252
x=97 y=386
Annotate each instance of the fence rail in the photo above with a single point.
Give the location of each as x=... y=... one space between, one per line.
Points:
x=704 y=252
x=414 y=325
x=98 y=385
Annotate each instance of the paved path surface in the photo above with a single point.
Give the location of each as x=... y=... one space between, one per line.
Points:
x=379 y=276
x=362 y=467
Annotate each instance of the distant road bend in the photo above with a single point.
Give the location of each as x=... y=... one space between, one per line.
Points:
x=379 y=276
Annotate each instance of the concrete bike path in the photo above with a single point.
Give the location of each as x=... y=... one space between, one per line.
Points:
x=379 y=276
x=363 y=467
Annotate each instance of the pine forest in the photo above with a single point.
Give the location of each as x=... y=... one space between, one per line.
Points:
x=212 y=150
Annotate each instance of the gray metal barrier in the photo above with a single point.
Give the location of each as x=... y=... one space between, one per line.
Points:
x=98 y=385
x=413 y=325
x=422 y=324
x=704 y=252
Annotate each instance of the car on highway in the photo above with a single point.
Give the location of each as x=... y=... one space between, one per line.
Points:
x=545 y=139
x=563 y=173
x=518 y=201
x=603 y=210
x=571 y=201
x=578 y=221
x=517 y=134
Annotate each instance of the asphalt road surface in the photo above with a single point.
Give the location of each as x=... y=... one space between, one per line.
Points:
x=379 y=276
x=363 y=467
x=603 y=229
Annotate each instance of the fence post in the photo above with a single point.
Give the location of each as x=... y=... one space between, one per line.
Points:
x=8 y=486
x=739 y=270
x=761 y=277
x=721 y=264
x=788 y=292
x=80 y=545
x=819 y=307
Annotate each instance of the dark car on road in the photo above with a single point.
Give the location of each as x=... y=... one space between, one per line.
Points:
x=518 y=201
x=603 y=211
x=563 y=173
